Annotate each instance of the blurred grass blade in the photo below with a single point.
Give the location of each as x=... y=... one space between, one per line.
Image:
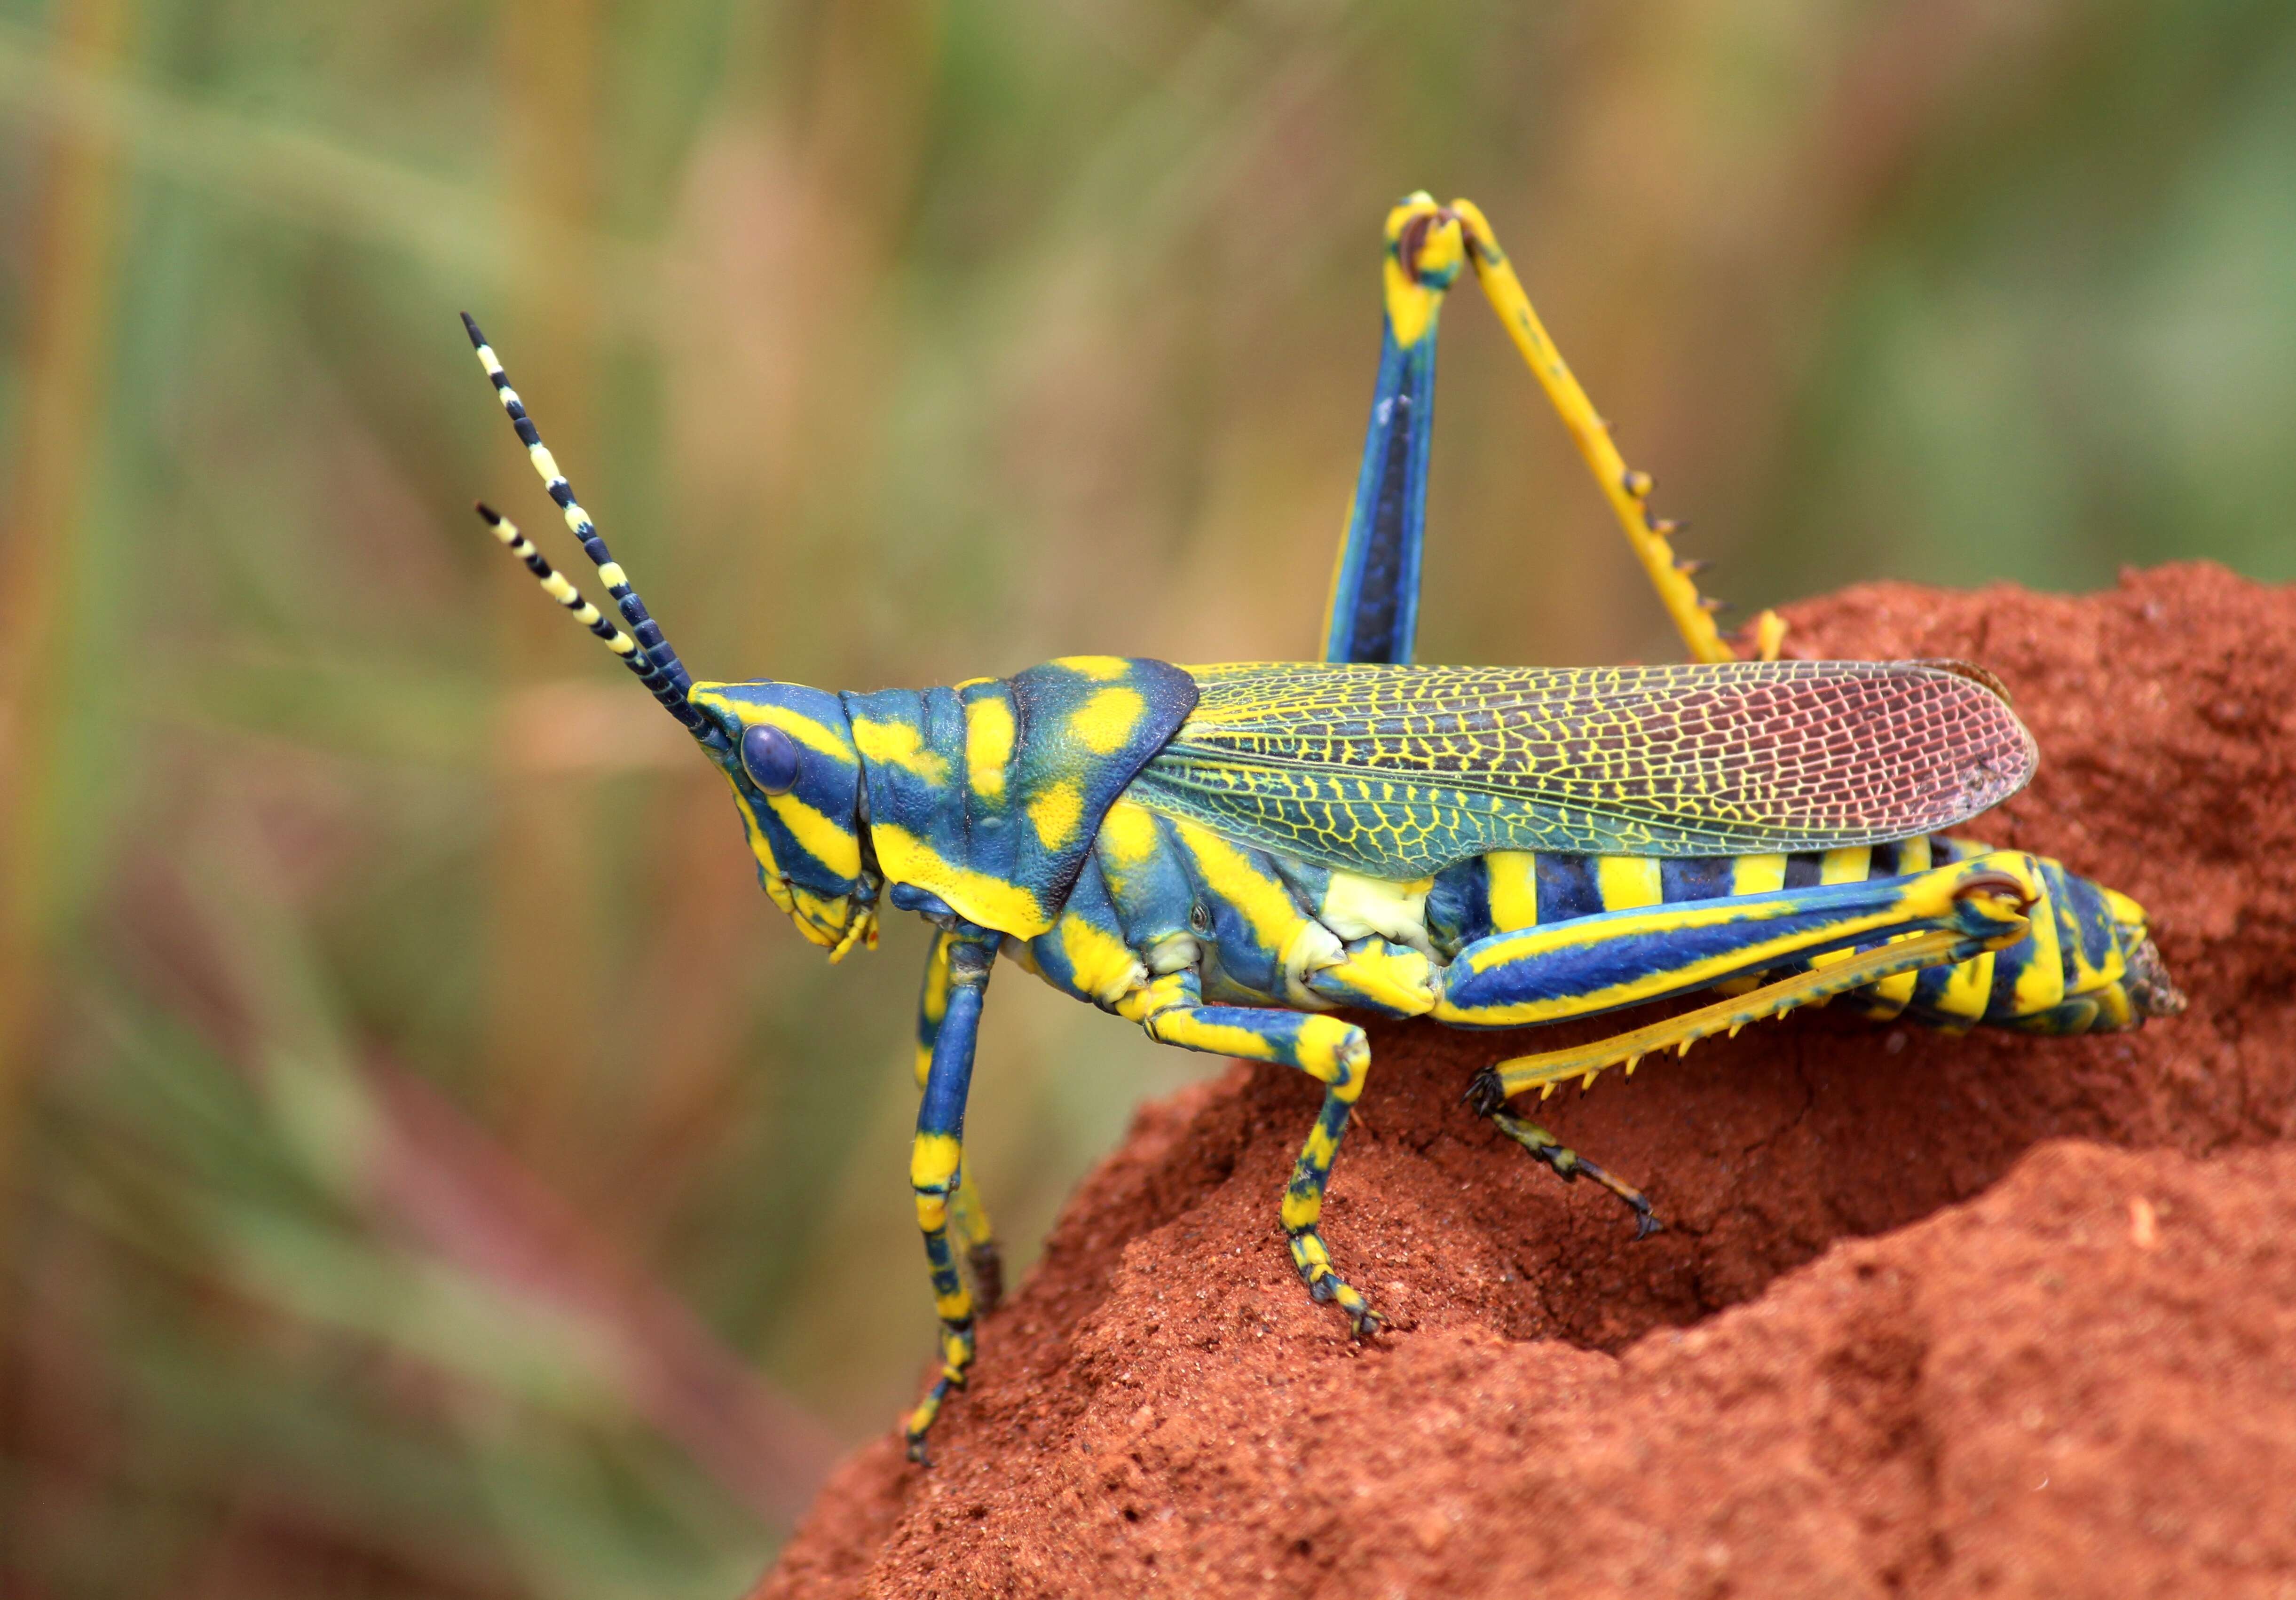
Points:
x=57 y=442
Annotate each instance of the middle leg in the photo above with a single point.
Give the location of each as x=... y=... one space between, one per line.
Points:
x=1335 y=1053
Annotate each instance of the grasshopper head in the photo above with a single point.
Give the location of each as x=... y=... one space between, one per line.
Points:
x=789 y=754
x=787 y=749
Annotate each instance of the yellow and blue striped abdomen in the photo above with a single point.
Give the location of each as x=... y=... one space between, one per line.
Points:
x=2087 y=965
x=1162 y=893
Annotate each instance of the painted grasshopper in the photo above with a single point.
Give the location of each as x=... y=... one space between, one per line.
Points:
x=1228 y=855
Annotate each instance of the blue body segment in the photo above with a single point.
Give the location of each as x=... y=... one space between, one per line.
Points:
x=1566 y=887
x=988 y=795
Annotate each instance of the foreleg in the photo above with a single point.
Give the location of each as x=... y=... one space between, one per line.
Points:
x=937 y=1159
x=968 y=1216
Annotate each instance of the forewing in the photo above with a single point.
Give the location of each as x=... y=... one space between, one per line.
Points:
x=1399 y=771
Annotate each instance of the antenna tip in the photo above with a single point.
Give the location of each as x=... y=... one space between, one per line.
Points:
x=471 y=328
x=493 y=517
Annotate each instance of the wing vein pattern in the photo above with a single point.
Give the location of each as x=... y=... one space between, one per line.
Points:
x=1396 y=772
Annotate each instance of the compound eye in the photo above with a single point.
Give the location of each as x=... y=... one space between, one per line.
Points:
x=770 y=756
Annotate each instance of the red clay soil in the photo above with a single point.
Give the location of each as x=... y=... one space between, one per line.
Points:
x=1932 y=1316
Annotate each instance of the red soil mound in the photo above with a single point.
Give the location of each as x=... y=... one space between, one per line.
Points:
x=2081 y=1380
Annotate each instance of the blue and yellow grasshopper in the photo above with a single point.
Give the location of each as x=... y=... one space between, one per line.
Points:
x=1229 y=854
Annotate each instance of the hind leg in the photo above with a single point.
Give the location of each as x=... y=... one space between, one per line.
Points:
x=1566 y=1163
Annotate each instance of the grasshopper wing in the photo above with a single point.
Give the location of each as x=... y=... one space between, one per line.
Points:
x=1396 y=772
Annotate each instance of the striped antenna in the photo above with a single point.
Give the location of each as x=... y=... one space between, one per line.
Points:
x=559 y=590
x=647 y=654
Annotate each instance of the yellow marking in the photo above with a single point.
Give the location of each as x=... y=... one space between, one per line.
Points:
x=1104 y=966
x=2127 y=913
x=560 y=590
x=832 y=845
x=488 y=359
x=988 y=745
x=1513 y=889
x=1411 y=308
x=1893 y=995
x=1320 y=1150
x=977 y=896
x=1057 y=813
x=1166 y=992
x=971 y=683
x=612 y=576
x=544 y=463
x=1913 y=854
x=1190 y=1032
x=1331 y=1050
x=899 y=744
x=1756 y=874
x=1967 y=989
x=1392 y=976
x=1627 y=883
x=1105 y=723
x=1100 y=668
x=933 y=1160
x=621 y=644
x=1263 y=901
x=1128 y=830
x=1769 y=635
x=1354 y=905
x=817 y=735
x=860 y=928
x=1413 y=305
x=1300 y=1211
x=2042 y=983
x=932 y=1211
x=827 y=839
x=1852 y=864
x=932 y=1005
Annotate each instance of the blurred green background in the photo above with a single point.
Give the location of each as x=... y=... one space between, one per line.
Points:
x=428 y=1165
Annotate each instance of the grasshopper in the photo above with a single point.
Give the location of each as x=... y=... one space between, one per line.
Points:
x=1228 y=856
